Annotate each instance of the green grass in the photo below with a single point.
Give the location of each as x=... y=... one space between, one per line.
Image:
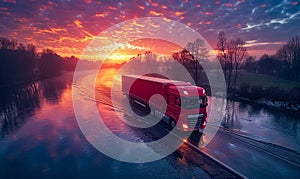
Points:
x=265 y=81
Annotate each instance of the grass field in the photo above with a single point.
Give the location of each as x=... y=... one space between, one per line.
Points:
x=265 y=81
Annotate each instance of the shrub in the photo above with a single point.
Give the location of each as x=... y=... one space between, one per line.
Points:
x=275 y=93
x=294 y=95
x=256 y=92
x=244 y=90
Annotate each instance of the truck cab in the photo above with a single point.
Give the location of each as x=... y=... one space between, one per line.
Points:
x=185 y=105
x=190 y=107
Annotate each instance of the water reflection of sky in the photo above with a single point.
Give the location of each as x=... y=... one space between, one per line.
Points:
x=47 y=140
x=270 y=125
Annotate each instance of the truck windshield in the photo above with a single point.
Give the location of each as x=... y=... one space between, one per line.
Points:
x=194 y=102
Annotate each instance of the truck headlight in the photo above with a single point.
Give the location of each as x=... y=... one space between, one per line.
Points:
x=185 y=126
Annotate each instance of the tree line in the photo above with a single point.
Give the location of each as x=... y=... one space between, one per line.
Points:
x=285 y=63
x=230 y=54
x=22 y=63
x=233 y=57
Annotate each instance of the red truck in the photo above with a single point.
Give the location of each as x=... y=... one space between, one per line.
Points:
x=189 y=107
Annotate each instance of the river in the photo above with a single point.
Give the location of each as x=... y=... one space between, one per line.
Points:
x=40 y=135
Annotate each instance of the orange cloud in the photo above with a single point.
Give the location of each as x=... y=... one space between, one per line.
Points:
x=137 y=24
x=141 y=7
x=86 y=37
x=178 y=13
x=112 y=8
x=208 y=13
x=164 y=7
x=78 y=23
x=154 y=13
x=166 y=19
x=51 y=30
x=23 y=19
x=154 y=25
x=100 y=15
x=154 y=4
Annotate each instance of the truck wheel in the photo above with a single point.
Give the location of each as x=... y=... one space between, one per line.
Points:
x=172 y=123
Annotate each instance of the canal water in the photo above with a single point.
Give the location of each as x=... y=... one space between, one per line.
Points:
x=40 y=135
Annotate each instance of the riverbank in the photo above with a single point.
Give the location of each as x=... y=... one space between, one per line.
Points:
x=267 y=91
x=19 y=83
x=271 y=104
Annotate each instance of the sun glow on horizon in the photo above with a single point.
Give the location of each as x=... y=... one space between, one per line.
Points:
x=139 y=47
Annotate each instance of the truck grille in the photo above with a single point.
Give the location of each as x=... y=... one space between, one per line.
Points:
x=195 y=120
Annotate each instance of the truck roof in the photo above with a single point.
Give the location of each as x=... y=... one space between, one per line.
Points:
x=159 y=80
x=187 y=90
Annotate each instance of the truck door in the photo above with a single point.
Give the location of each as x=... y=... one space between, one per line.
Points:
x=173 y=110
x=171 y=99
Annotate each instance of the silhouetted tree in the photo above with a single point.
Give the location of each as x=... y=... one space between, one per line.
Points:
x=50 y=64
x=239 y=53
x=69 y=63
x=248 y=64
x=222 y=51
x=290 y=53
x=21 y=63
x=185 y=58
x=16 y=62
x=6 y=44
x=231 y=55
x=200 y=52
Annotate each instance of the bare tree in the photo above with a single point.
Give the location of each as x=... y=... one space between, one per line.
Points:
x=294 y=44
x=199 y=51
x=222 y=56
x=231 y=55
x=239 y=55
x=222 y=52
x=6 y=44
x=230 y=61
x=290 y=53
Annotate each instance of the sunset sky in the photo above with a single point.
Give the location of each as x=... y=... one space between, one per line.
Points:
x=68 y=26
